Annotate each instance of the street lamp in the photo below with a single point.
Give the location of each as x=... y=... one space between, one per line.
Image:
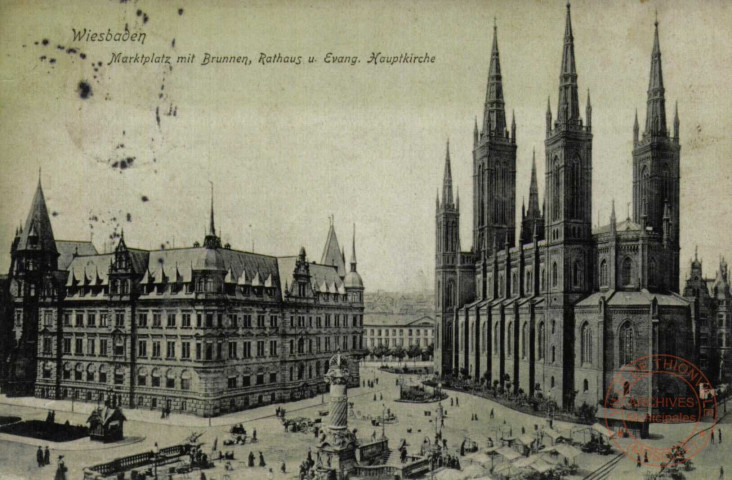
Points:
x=155 y=452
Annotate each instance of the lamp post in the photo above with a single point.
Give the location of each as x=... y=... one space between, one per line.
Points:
x=155 y=452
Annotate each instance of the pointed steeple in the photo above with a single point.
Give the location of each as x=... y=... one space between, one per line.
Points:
x=353 y=250
x=533 y=191
x=635 y=127
x=332 y=254
x=568 y=107
x=588 y=111
x=494 y=117
x=613 y=218
x=513 y=126
x=676 y=121
x=476 y=134
x=656 y=112
x=211 y=240
x=447 y=201
x=37 y=234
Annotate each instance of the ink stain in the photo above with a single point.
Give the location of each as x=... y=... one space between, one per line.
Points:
x=85 y=90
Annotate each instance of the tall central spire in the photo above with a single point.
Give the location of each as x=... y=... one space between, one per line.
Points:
x=494 y=121
x=568 y=108
x=447 y=180
x=211 y=240
x=533 y=191
x=656 y=113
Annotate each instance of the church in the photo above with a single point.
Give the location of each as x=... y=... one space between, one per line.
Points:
x=553 y=305
x=204 y=330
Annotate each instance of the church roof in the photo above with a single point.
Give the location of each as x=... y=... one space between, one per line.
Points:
x=625 y=225
x=619 y=298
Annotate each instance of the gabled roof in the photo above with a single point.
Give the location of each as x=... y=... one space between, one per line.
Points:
x=625 y=225
x=68 y=248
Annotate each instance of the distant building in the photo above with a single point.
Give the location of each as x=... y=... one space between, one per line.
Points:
x=205 y=330
x=398 y=330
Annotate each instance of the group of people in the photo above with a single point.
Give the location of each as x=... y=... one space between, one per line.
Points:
x=251 y=460
x=381 y=397
x=165 y=412
x=43 y=457
x=369 y=383
x=280 y=412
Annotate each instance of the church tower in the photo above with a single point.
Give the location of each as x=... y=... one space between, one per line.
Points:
x=494 y=167
x=532 y=220
x=567 y=218
x=446 y=260
x=656 y=172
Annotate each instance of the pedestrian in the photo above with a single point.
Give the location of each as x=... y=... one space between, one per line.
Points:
x=381 y=396
x=61 y=470
x=638 y=462
x=39 y=456
x=374 y=397
x=457 y=402
x=251 y=459
x=47 y=456
x=203 y=475
x=283 y=468
x=645 y=456
x=254 y=435
x=451 y=401
x=261 y=460
x=476 y=417
x=721 y=473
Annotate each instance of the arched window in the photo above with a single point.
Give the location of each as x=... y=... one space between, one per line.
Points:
x=552 y=382
x=485 y=338
x=450 y=300
x=555 y=274
x=524 y=339
x=586 y=343
x=496 y=339
x=541 y=341
x=301 y=345
x=625 y=343
x=627 y=271
x=645 y=185
x=577 y=274
x=543 y=280
x=509 y=339
x=585 y=385
x=514 y=284
x=472 y=337
x=652 y=271
x=529 y=282
x=556 y=190
x=554 y=354
x=603 y=273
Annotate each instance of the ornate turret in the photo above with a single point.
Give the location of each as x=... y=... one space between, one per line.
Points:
x=353 y=279
x=568 y=106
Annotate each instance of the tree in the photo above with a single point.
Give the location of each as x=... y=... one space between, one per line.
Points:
x=398 y=352
x=380 y=351
x=414 y=351
x=428 y=351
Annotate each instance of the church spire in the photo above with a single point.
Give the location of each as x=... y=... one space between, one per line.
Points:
x=494 y=121
x=568 y=108
x=212 y=227
x=447 y=180
x=534 y=190
x=676 y=121
x=635 y=128
x=656 y=113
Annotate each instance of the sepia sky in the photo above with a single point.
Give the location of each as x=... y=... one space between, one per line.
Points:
x=286 y=146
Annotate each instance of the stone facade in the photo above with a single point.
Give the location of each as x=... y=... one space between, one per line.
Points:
x=561 y=308
x=205 y=330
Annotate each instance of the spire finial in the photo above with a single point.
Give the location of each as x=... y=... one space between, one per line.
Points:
x=212 y=227
x=696 y=252
x=495 y=23
x=656 y=21
x=39 y=175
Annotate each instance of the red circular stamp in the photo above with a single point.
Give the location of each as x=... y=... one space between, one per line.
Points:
x=663 y=389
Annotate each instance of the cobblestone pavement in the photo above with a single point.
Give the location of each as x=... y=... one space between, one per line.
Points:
x=17 y=460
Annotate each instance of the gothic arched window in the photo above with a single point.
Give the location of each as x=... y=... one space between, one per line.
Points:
x=555 y=274
x=627 y=271
x=509 y=340
x=556 y=190
x=625 y=343
x=524 y=339
x=603 y=273
x=652 y=271
x=496 y=339
x=541 y=341
x=586 y=344
x=645 y=185
x=577 y=274
x=485 y=338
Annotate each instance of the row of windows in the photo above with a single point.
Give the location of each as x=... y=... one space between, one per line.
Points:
x=417 y=332
x=302 y=321
x=311 y=346
x=377 y=342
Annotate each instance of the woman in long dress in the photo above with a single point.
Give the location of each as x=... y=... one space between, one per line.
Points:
x=61 y=470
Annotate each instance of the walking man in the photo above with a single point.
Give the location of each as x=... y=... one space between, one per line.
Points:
x=46 y=456
x=39 y=457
